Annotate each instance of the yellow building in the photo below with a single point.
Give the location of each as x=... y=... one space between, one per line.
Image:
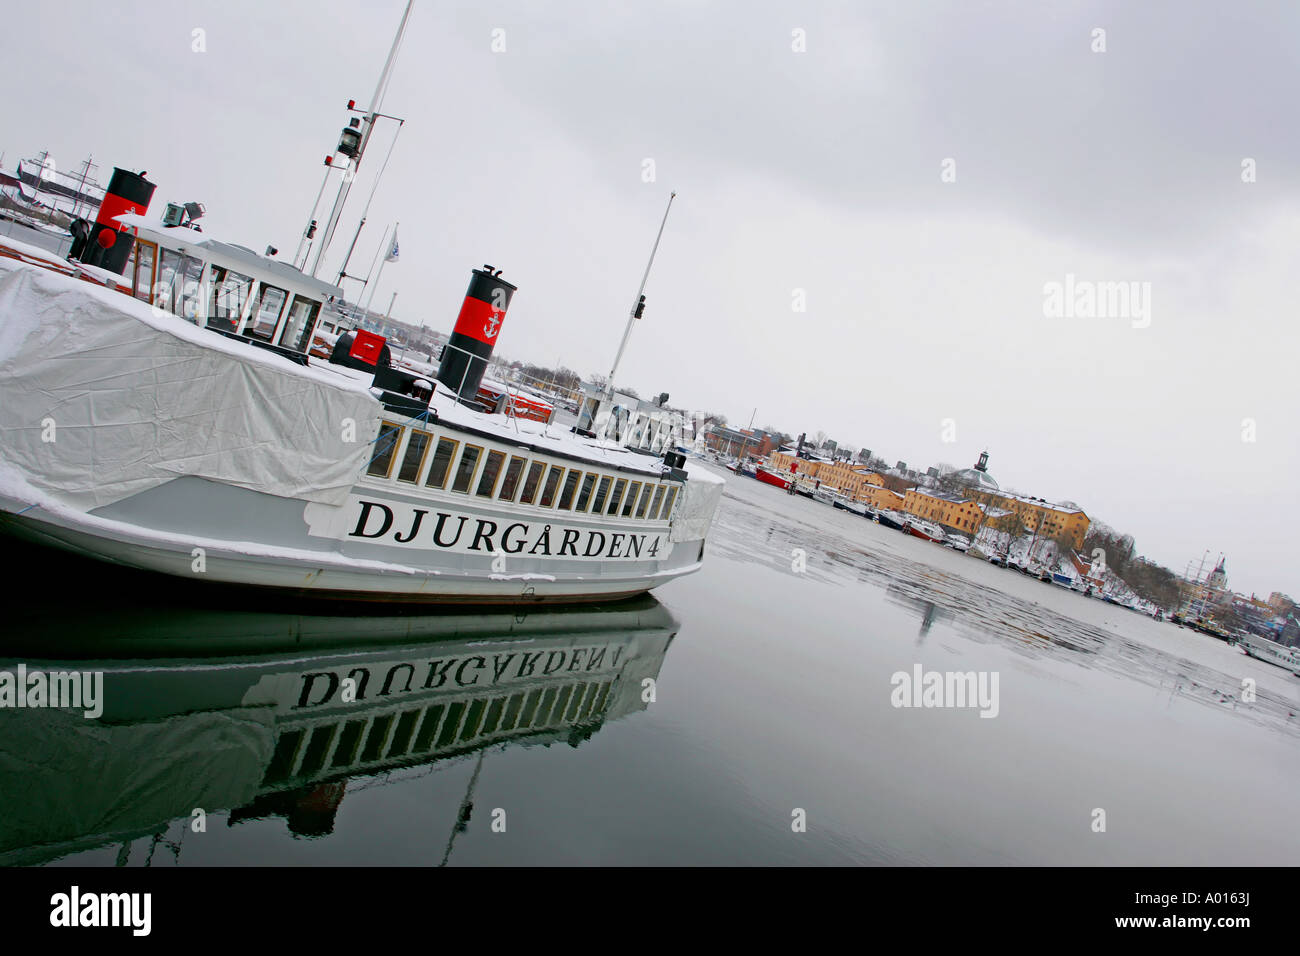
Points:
x=880 y=498
x=846 y=477
x=1040 y=517
x=951 y=511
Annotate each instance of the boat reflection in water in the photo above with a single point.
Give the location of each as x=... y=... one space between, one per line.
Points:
x=284 y=733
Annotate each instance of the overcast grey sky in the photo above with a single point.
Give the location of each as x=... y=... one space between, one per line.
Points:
x=819 y=170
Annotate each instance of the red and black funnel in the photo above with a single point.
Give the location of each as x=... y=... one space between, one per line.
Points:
x=476 y=332
x=109 y=244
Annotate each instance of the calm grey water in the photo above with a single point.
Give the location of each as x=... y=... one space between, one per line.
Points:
x=536 y=742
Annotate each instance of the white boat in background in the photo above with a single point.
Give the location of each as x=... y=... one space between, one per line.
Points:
x=1271 y=652
x=828 y=496
x=859 y=508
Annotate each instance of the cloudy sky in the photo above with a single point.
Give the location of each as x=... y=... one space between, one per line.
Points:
x=873 y=202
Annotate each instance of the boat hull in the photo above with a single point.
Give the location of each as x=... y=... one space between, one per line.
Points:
x=916 y=532
x=316 y=576
x=772 y=478
x=889 y=522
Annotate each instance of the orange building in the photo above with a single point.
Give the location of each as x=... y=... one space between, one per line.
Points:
x=951 y=511
x=1064 y=522
x=880 y=498
x=1040 y=517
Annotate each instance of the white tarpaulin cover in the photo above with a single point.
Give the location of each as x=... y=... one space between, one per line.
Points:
x=101 y=398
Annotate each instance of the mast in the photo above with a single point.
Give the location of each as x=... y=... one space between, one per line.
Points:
x=368 y=124
x=637 y=306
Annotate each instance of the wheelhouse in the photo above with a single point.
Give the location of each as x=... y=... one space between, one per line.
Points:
x=226 y=287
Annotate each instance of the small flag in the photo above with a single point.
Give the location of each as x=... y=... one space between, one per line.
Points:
x=392 y=252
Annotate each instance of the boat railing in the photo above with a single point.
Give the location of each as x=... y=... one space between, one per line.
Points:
x=518 y=383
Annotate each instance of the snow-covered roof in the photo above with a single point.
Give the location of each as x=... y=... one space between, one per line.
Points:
x=272 y=270
x=553 y=438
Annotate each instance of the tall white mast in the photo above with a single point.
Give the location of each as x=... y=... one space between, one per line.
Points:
x=636 y=305
x=376 y=102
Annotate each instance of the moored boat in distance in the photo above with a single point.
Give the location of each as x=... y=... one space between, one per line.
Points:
x=925 y=530
x=858 y=508
x=769 y=477
x=891 y=519
x=1271 y=652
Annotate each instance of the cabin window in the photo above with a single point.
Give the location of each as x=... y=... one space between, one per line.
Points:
x=178 y=281
x=381 y=463
x=616 y=498
x=230 y=292
x=531 y=482
x=632 y=491
x=669 y=499
x=602 y=492
x=645 y=499
x=570 y=487
x=584 y=496
x=267 y=314
x=487 y=485
x=298 y=327
x=442 y=457
x=511 y=482
x=144 y=256
x=552 y=482
x=465 y=470
x=658 y=500
x=413 y=460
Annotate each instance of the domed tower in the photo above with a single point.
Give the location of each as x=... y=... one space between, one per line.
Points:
x=978 y=477
x=1219 y=578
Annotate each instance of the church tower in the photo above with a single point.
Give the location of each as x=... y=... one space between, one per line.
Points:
x=1219 y=579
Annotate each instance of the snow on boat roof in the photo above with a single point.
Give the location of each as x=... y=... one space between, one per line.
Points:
x=554 y=439
x=183 y=235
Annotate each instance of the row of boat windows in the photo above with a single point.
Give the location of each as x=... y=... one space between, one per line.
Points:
x=173 y=281
x=521 y=480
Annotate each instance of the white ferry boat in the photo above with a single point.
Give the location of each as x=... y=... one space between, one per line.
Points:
x=164 y=406
x=182 y=428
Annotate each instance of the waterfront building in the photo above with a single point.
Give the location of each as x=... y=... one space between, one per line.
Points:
x=849 y=478
x=1039 y=517
x=952 y=512
x=733 y=442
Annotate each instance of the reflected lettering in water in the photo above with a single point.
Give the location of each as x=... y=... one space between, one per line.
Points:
x=290 y=734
